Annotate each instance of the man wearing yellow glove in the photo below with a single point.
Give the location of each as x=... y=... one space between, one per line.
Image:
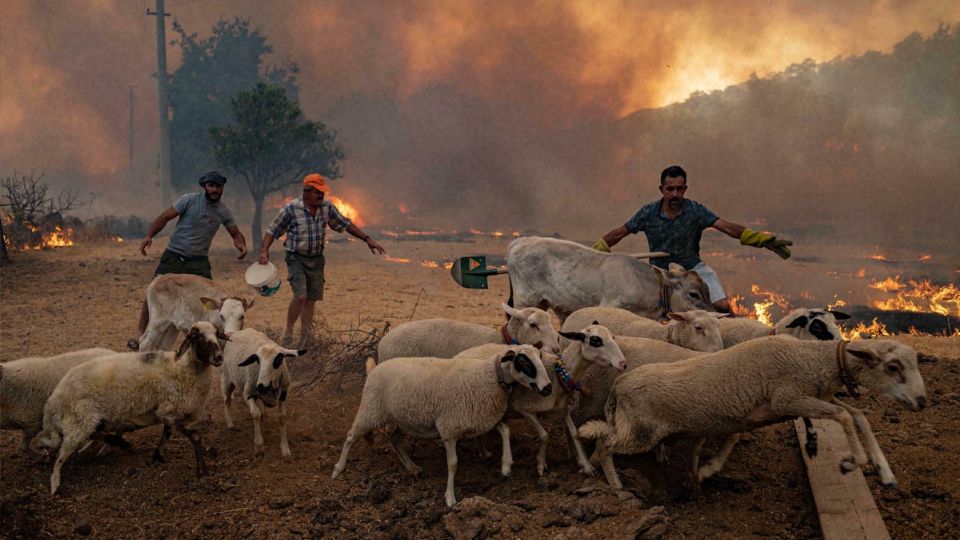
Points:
x=674 y=225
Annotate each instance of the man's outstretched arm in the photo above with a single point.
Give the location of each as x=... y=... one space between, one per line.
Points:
x=375 y=247
x=750 y=237
x=157 y=226
x=611 y=239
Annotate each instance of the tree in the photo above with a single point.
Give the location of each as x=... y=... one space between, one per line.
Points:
x=30 y=209
x=272 y=145
x=214 y=70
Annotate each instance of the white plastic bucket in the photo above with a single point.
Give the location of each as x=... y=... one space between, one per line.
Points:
x=263 y=278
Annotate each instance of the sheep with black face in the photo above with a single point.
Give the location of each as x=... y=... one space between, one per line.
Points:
x=258 y=367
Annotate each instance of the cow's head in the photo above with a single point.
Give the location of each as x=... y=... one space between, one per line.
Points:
x=687 y=290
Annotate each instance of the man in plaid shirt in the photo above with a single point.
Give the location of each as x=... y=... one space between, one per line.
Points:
x=304 y=220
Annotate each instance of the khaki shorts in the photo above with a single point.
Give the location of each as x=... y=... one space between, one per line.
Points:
x=305 y=274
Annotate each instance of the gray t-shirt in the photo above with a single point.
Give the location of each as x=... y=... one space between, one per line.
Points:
x=680 y=237
x=198 y=223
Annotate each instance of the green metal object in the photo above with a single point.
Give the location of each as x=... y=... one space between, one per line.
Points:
x=472 y=272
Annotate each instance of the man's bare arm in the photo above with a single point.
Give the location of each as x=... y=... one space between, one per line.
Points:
x=157 y=226
x=375 y=248
x=616 y=235
x=239 y=241
x=728 y=228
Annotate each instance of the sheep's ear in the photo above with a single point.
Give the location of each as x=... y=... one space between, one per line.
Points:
x=676 y=316
x=250 y=359
x=247 y=304
x=512 y=312
x=799 y=322
x=839 y=315
x=210 y=304
x=595 y=322
x=223 y=336
x=292 y=353
x=189 y=340
x=508 y=356
x=717 y=315
x=868 y=357
x=574 y=336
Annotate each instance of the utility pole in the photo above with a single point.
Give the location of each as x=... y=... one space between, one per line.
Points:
x=130 y=134
x=165 y=183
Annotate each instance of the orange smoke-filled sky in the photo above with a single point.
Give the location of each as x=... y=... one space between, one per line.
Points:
x=65 y=66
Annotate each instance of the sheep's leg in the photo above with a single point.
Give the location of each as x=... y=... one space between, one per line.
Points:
x=661 y=453
x=816 y=408
x=451 y=446
x=585 y=466
x=606 y=463
x=26 y=436
x=256 y=412
x=811 y=445
x=164 y=437
x=71 y=442
x=395 y=440
x=695 y=459
x=876 y=455
x=226 y=389
x=543 y=436
x=716 y=463
x=358 y=430
x=506 y=456
x=197 y=448
x=284 y=444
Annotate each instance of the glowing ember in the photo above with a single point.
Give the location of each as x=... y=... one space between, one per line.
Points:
x=925 y=258
x=879 y=257
x=118 y=239
x=429 y=264
x=348 y=210
x=389 y=258
x=404 y=209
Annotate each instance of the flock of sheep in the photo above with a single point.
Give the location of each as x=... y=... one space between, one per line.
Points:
x=612 y=374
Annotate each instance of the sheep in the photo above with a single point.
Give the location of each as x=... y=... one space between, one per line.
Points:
x=753 y=384
x=449 y=399
x=695 y=329
x=637 y=351
x=176 y=301
x=128 y=391
x=800 y=323
x=594 y=347
x=28 y=382
x=255 y=364
x=444 y=338
x=566 y=276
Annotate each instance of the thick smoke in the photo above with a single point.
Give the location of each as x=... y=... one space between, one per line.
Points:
x=508 y=115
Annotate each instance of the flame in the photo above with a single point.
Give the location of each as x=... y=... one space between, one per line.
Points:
x=348 y=210
x=118 y=239
x=762 y=309
x=879 y=257
x=925 y=258
x=390 y=258
x=918 y=296
x=429 y=264
x=738 y=309
x=861 y=331
x=403 y=207
x=56 y=238
x=838 y=303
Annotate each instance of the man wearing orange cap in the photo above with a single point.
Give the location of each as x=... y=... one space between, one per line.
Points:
x=304 y=220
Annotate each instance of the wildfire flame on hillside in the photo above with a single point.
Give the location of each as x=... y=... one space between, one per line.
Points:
x=918 y=296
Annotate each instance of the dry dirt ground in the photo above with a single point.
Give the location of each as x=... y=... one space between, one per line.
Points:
x=59 y=300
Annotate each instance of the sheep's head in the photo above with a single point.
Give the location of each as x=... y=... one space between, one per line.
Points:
x=889 y=368
x=203 y=339
x=532 y=326
x=812 y=324
x=696 y=330
x=687 y=290
x=526 y=368
x=597 y=346
x=269 y=359
x=226 y=314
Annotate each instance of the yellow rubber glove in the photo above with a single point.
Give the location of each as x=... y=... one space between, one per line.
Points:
x=601 y=245
x=750 y=237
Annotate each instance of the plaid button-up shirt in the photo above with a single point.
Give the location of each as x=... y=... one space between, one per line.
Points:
x=305 y=233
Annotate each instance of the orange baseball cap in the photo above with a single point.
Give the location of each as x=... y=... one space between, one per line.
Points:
x=316 y=181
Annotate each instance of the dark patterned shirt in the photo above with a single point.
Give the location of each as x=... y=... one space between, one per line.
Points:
x=680 y=237
x=305 y=233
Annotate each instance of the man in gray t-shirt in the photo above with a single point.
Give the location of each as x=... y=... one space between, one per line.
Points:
x=201 y=215
x=674 y=225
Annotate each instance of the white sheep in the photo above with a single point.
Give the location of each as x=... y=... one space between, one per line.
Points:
x=176 y=301
x=449 y=399
x=800 y=323
x=444 y=338
x=128 y=391
x=694 y=329
x=256 y=365
x=593 y=347
x=28 y=382
x=754 y=384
